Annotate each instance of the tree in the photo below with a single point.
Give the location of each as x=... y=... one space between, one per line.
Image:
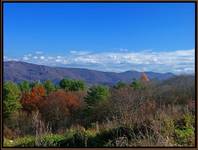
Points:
x=31 y=100
x=96 y=99
x=65 y=84
x=136 y=84
x=11 y=99
x=77 y=85
x=72 y=85
x=119 y=85
x=24 y=86
x=49 y=86
x=97 y=94
x=58 y=106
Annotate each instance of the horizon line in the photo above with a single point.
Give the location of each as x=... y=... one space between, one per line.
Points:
x=65 y=67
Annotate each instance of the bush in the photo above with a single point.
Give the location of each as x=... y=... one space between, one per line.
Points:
x=51 y=140
x=185 y=130
x=168 y=127
x=74 y=138
x=185 y=136
x=108 y=137
x=27 y=141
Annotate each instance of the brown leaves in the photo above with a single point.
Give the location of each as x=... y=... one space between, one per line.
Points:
x=31 y=100
x=63 y=99
x=58 y=107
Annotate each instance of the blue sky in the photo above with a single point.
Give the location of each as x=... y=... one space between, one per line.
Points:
x=103 y=36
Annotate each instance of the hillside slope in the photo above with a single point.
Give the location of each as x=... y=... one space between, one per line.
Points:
x=18 y=71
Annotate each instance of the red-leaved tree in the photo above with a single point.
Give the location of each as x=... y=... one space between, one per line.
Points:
x=31 y=100
x=58 y=107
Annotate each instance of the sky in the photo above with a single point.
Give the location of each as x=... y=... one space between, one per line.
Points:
x=114 y=37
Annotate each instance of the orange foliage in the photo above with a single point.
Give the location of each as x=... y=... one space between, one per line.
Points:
x=63 y=99
x=144 y=77
x=60 y=102
x=31 y=100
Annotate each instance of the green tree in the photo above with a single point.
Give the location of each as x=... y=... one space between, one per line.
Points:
x=97 y=94
x=136 y=84
x=72 y=85
x=11 y=98
x=77 y=85
x=96 y=98
x=119 y=85
x=49 y=86
x=65 y=84
x=24 y=86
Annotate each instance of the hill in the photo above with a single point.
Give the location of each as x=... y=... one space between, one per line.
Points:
x=17 y=71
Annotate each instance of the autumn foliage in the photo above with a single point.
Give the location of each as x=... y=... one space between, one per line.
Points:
x=62 y=99
x=31 y=100
x=58 y=107
x=139 y=113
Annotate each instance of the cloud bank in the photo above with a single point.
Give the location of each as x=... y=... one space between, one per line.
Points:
x=178 y=61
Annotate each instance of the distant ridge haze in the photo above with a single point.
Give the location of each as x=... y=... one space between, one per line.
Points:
x=18 y=71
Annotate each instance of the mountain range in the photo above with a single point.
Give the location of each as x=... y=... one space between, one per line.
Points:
x=18 y=71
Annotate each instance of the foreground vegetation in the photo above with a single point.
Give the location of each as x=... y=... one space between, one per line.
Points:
x=72 y=114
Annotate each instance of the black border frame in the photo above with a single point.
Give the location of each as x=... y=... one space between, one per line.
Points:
x=100 y=1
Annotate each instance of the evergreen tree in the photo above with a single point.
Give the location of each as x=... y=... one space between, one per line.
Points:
x=49 y=86
x=11 y=98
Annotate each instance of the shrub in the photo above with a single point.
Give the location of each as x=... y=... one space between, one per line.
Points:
x=74 y=138
x=108 y=137
x=8 y=133
x=8 y=142
x=185 y=130
x=167 y=127
x=185 y=136
x=51 y=140
x=27 y=141
x=79 y=137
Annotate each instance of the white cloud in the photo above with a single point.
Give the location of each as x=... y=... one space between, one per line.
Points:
x=35 y=57
x=25 y=58
x=73 y=52
x=39 y=52
x=124 y=50
x=178 y=61
x=50 y=58
x=42 y=57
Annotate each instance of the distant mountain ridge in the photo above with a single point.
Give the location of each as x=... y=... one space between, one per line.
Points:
x=17 y=71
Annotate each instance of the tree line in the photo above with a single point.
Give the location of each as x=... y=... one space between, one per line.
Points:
x=32 y=108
